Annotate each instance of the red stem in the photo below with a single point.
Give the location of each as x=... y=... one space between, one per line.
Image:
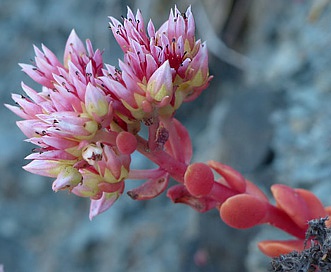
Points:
x=219 y=192
x=152 y=130
x=145 y=173
x=175 y=168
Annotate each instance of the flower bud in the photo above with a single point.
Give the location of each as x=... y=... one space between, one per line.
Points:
x=96 y=101
x=68 y=178
x=243 y=211
x=160 y=85
x=199 y=179
x=126 y=142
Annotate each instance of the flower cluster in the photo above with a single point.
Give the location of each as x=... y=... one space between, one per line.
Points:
x=69 y=121
x=161 y=68
x=86 y=123
x=86 y=118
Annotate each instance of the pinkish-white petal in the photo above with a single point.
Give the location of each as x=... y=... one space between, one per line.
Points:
x=36 y=75
x=96 y=102
x=120 y=91
x=150 y=29
x=32 y=128
x=29 y=107
x=74 y=48
x=101 y=205
x=160 y=83
x=190 y=29
x=35 y=96
x=50 y=56
x=58 y=143
x=151 y=65
x=47 y=68
x=48 y=168
x=18 y=111
x=50 y=155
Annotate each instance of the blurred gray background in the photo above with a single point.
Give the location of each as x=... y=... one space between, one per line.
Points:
x=266 y=113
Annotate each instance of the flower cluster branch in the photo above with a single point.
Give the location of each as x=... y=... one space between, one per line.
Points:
x=86 y=123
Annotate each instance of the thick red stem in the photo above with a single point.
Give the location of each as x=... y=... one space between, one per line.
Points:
x=145 y=173
x=175 y=168
x=221 y=193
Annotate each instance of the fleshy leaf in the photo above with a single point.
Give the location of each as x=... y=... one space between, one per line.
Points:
x=233 y=178
x=151 y=188
x=243 y=211
x=179 y=194
x=274 y=248
x=184 y=140
x=291 y=202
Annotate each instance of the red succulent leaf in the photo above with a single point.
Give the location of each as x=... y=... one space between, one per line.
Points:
x=179 y=194
x=274 y=248
x=292 y=202
x=314 y=205
x=253 y=190
x=151 y=188
x=233 y=178
x=185 y=144
x=243 y=211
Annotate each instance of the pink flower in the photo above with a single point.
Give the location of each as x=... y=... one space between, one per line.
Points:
x=70 y=122
x=86 y=118
x=162 y=68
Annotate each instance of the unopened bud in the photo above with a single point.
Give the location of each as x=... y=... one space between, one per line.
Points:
x=160 y=83
x=199 y=179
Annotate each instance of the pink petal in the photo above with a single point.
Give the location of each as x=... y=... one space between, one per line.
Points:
x=51 y=57
x=51 y=155
x=32 y=128
x=96 y=102
x=35 y=96
x=18 y=111
x=46 y=168
x=36 y=75
x=160 y=83
x=101 y=205
x=74 y=48
x=30 y=108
